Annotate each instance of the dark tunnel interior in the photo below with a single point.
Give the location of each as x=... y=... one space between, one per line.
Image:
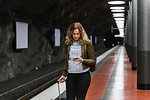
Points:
x=43 y=17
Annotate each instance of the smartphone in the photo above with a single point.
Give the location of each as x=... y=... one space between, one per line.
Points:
x=75 y=58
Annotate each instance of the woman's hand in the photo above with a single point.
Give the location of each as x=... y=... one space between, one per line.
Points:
x=77 y=59
x=61 y=79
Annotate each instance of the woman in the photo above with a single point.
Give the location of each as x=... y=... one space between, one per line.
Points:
x=79 y=57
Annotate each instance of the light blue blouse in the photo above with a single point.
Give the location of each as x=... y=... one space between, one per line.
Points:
x=74 y=66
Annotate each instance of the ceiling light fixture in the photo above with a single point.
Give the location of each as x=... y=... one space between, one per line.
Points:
x=120 y=22
x=117 y=8
x=116 y=2
x=119 y=19
x=118 y=14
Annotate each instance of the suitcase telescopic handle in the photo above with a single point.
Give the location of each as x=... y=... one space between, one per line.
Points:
x=59 y=90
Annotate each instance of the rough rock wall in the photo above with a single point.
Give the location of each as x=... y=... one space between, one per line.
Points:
x=40 y=52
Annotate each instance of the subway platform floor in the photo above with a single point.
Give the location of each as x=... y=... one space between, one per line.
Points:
x=115 y=80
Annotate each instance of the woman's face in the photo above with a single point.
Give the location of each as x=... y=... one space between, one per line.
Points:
x=76 y=34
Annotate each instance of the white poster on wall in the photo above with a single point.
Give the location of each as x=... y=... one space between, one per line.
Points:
x=95 y=39
x=91 y=38
x=57 y=37
x=21 y=35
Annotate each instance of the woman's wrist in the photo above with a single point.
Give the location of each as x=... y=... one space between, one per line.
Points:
x=82 y=60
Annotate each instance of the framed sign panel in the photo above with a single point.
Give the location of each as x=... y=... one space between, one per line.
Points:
x=21 y=35
x=57 y=35
x=91 y=38
x=95 y=39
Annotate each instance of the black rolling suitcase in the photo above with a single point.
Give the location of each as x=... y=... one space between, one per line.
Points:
x=59 y=97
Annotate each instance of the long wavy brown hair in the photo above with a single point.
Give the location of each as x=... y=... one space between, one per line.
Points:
x=72 y=27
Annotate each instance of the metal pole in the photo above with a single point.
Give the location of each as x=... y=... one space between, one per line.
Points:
x=134 y=37
x=143 y=47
